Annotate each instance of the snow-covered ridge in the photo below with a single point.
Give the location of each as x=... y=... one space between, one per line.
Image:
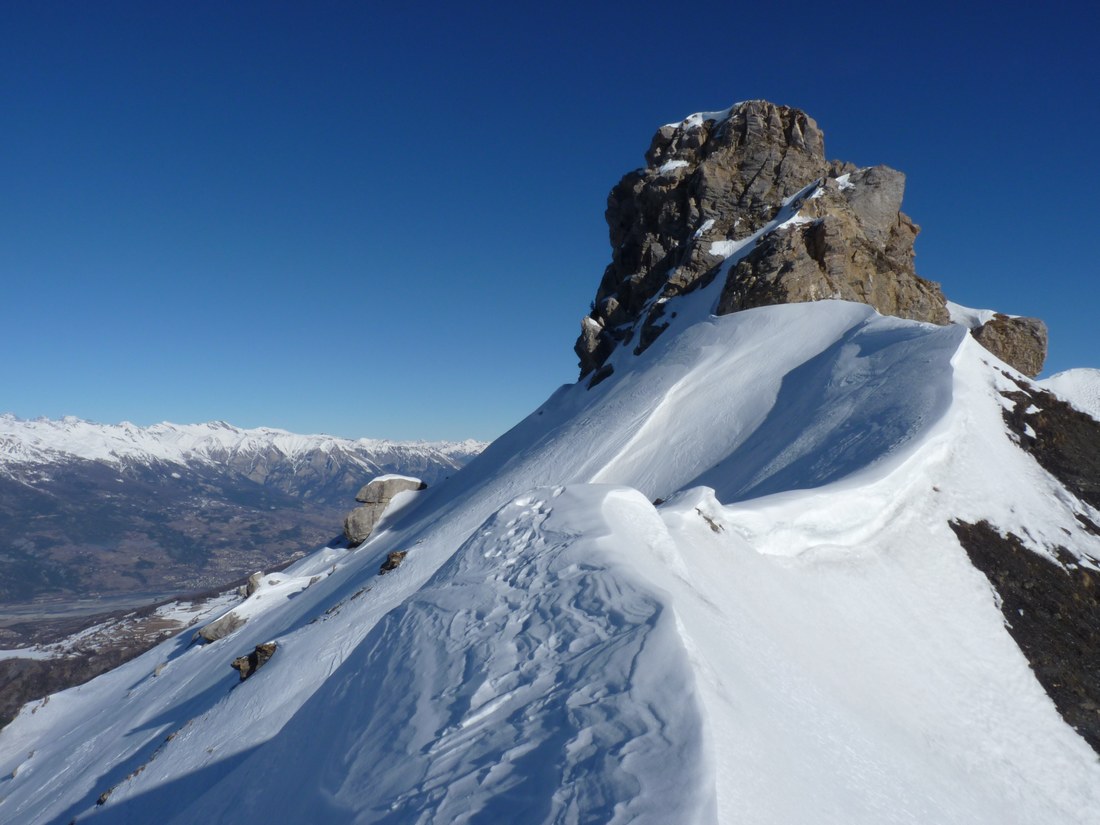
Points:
x=969 y=317
x=794 y=635
x=43 y=441
x=1080 y=387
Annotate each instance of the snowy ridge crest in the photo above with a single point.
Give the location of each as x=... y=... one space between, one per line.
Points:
x=797 y=614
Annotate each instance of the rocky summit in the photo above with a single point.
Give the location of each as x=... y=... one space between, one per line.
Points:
x=707 y=205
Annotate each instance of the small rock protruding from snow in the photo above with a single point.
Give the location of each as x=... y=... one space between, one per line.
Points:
x=392 y=562
x=247 y=665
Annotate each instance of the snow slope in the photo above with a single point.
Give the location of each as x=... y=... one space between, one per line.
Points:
x=794 y=635
x=1080 y=387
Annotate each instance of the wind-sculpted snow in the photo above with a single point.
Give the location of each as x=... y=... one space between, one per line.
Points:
x=681 y=407
x=795 y=635
x=854 y=405
x=535 y=678
x=765 y=400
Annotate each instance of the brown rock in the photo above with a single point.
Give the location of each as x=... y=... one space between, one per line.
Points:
x=723 y=177
x=1019 y=342
x=249 y=664
x=856 y=247
x=392 y=562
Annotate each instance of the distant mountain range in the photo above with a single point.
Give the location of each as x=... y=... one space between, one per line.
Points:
x=94 y=510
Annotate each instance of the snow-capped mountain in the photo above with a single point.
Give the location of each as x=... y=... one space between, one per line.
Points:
x=45 y=441
x=793 y=563
x=93 y=509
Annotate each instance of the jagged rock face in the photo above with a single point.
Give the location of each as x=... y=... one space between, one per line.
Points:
x=1019 y=342
x=857 y=246
x=721 y=177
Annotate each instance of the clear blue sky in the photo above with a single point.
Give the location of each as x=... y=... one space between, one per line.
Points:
x=368 y=220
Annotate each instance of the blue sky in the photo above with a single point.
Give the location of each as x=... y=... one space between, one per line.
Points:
x=370 y=221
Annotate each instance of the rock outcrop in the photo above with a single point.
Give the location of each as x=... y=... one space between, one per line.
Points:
x=856 y=245
x=1019 y=342
x=375 y=497
x=706 y=205
x=1052 y=611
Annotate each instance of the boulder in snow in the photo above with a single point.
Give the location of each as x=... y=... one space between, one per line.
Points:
x=221 y=627
x=375 y=496
x=250 y=663
x=360 y=522
x=254 y=582
x=383 y=488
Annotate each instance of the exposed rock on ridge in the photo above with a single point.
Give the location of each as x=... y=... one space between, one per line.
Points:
x=857 y=246
x=1020 y=342
x=1053 y=612
x=715 y=180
